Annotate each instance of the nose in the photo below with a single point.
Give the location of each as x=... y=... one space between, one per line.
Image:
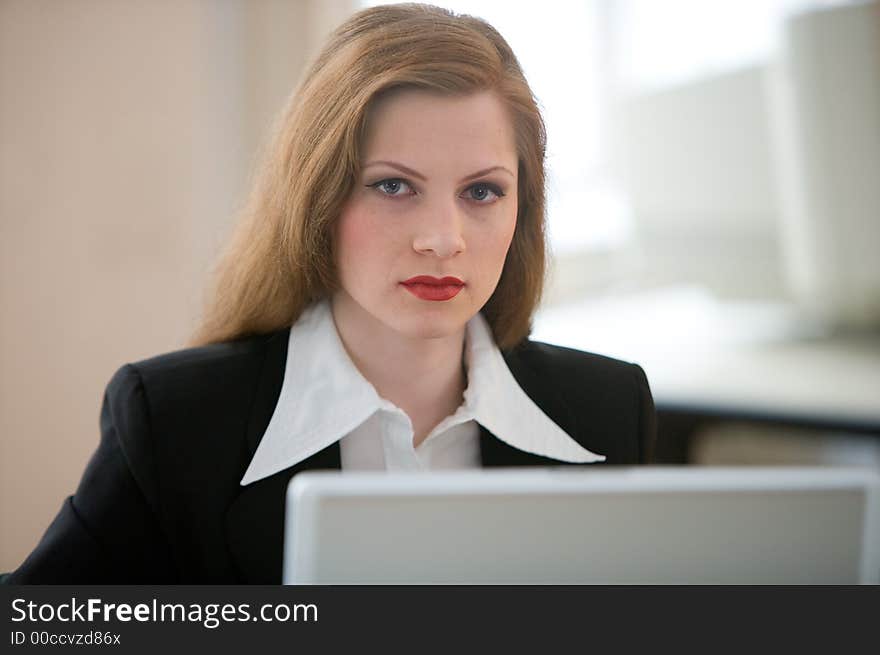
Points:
x=440 y=232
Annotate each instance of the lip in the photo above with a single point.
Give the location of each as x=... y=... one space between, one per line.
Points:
x=428 y=287
x=436 y=281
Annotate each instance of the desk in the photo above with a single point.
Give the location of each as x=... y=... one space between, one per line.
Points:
x=709 y=360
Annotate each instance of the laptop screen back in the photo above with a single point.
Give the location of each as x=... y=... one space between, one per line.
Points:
x=671 y=525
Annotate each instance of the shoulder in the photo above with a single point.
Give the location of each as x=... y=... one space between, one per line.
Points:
x=568 y=365
x=212 y=359
x=546 y=354
x=210 y=369
x=575 y=374
x=187 y=413
x=197 y=400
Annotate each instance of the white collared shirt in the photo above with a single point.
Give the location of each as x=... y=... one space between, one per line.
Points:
x=325 y=399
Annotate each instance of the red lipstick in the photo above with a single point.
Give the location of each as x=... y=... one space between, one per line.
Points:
x=427 y=287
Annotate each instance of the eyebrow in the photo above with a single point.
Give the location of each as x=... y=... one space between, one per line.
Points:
x=419 y=176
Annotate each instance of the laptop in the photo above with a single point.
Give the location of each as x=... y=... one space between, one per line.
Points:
x=567 y=525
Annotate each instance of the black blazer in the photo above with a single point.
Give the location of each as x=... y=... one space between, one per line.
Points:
x=160 y=500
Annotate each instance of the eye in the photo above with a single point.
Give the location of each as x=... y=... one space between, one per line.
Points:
x=483 y=193
x=394 y=187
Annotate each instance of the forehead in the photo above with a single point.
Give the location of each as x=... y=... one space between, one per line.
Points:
x=421 y=125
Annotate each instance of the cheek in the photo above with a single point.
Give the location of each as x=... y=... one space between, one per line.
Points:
x=502 y=238
x=354 y=236
x=491 y=250
x=508 y=235
x=348 y=234
x=363 y=241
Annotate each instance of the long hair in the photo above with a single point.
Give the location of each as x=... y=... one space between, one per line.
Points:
x=280 y=257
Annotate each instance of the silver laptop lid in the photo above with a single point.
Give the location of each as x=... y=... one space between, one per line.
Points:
x=648 y=525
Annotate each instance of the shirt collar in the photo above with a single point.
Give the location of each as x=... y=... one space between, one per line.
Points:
x=318 y=371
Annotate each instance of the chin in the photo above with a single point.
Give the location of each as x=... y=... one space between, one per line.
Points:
x=431 y=324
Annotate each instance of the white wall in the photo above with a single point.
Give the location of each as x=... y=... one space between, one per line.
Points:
x=127 y=131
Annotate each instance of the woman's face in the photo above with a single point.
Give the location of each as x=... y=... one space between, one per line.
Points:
x=422 y=239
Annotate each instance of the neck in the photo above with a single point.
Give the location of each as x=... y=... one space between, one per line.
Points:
x=423 y=376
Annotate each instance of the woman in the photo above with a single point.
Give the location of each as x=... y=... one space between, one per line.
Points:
x=372 y=311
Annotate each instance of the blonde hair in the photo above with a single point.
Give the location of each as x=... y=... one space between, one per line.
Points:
x=280 y=258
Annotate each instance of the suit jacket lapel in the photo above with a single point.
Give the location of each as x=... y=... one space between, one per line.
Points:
x=496 y=453
x=255 y=519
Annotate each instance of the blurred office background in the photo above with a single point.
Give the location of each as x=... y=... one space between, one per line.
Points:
x=714 y=207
